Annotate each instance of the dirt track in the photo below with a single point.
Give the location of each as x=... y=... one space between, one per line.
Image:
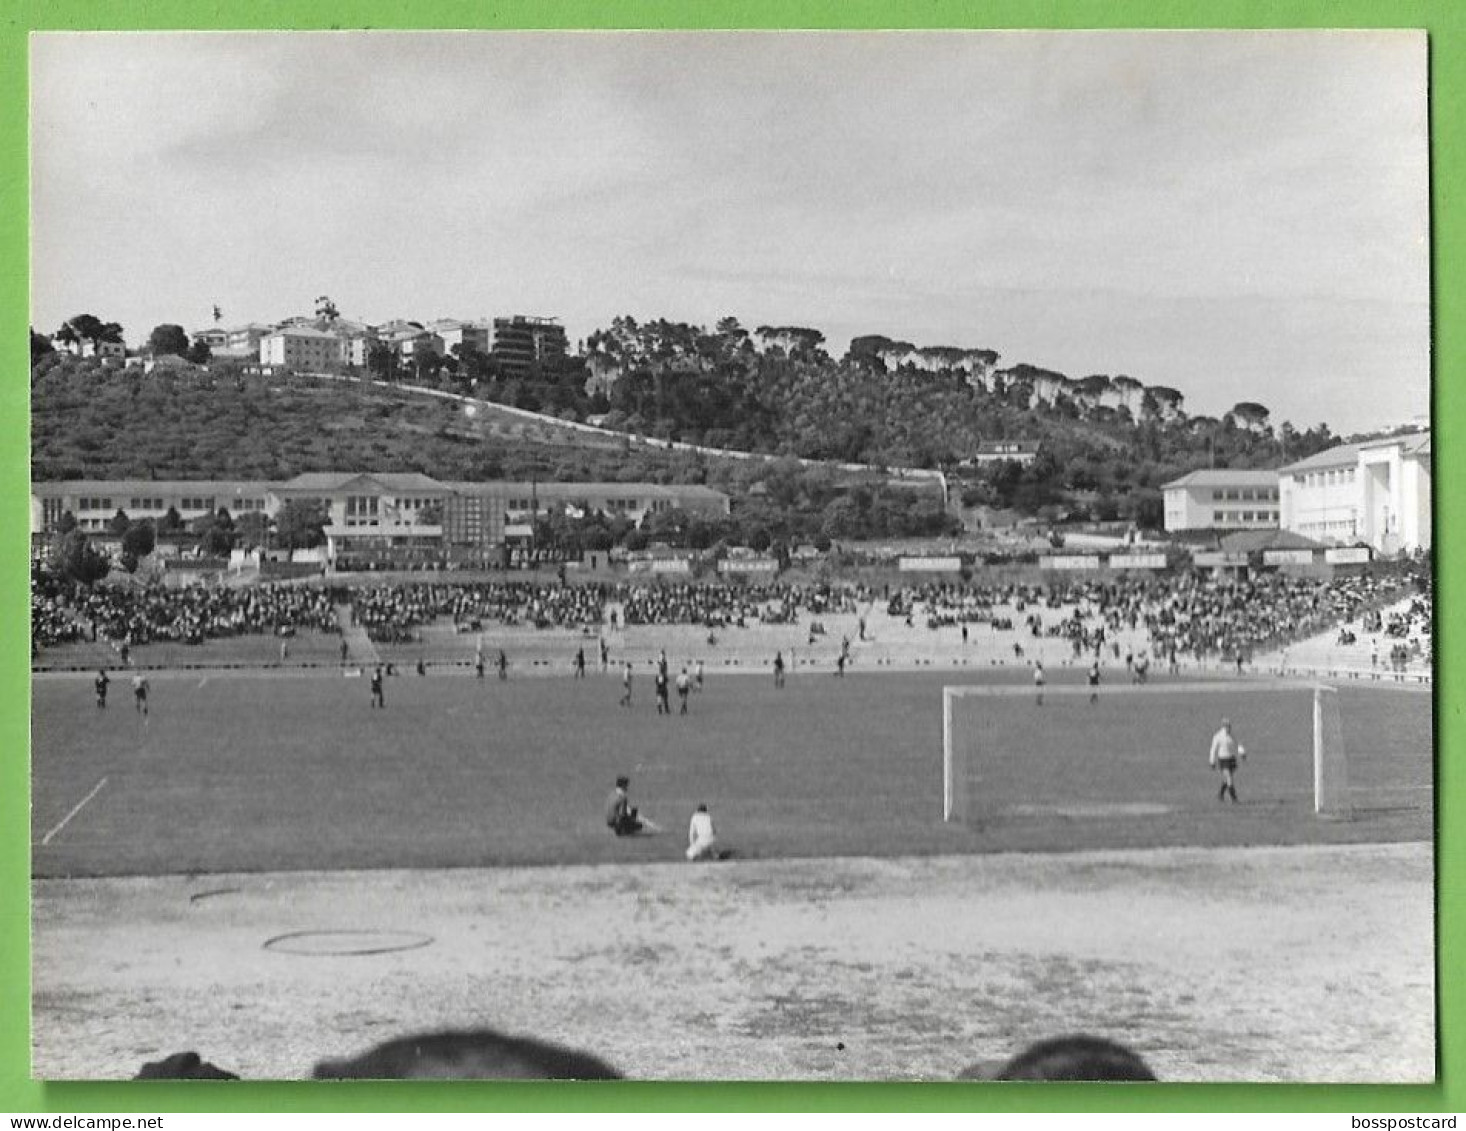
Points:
x=763 y=970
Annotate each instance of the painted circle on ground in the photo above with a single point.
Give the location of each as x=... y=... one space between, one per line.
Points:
x=346 y=943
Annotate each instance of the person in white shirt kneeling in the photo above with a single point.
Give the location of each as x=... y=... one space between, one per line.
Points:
x=702 y=841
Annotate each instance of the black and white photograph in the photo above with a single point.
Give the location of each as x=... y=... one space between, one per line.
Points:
x=732 y=556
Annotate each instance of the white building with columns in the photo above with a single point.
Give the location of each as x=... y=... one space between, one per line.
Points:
x=1375 y=492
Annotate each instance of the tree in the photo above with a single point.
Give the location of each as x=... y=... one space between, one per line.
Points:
x=425 y=365
x=759 y=539
x=139 y=539
x=1250 y=414
x=300 y=525
x=137 y=543
x=168 y=338
x=476 y=364
x=88 y=328
x=215 y=532
x=40 y=346
x=380 y=361
x=119 y=522
x=73 y=557
x=199 y=353
x=252 y=528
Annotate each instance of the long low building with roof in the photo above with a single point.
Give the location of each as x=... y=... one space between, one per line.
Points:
x=371 y=512
x=93 y=503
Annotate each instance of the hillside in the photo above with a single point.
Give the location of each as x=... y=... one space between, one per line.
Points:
x=89 y=421
x=1106 y=444
x=1103 y=439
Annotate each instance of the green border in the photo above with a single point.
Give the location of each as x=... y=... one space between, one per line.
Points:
x=1446 y=22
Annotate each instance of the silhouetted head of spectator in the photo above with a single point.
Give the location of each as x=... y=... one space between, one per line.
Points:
x=183 y=1066
x=1068 y=1058
x=622 y=782
x=480 y=1054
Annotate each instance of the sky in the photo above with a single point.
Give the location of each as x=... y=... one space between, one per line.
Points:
x=1240 y=216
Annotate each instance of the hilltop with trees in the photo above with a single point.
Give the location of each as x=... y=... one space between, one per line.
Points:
x=1106 y=443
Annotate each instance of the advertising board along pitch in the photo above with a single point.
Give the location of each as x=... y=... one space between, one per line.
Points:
x=1287 y=557
x=1137 y=561
x=748 y=565
x=930 y=565
x=1069 y=561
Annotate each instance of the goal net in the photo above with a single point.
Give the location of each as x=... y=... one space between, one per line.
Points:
x=1136 y=749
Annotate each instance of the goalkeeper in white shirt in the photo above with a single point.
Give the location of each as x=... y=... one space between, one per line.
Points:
x=1226 y=751
x=702 y=841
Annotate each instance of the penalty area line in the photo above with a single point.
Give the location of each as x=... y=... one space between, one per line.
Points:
x=77 y=808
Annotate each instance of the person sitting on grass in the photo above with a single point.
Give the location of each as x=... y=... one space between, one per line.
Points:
x=480 y=1054
x=622 y=818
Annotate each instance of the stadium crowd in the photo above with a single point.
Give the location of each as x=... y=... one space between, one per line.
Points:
x=63 y=612
x=718 y=606
x=393 y=612
x=1207 y=617
x=1191 y=615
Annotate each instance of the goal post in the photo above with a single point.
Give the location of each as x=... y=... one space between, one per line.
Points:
x=1330 y=766
x=1134 y=747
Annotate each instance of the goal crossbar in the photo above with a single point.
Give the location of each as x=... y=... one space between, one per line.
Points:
x=1330 y=766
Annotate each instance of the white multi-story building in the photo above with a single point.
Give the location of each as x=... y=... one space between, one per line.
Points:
x=1222 y=499
x=301 y=347
x=1376 y=492
x=462 y=335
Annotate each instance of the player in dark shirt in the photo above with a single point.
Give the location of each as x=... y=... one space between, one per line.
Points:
x=379 y=698
x=101 y=684
x=622 y=817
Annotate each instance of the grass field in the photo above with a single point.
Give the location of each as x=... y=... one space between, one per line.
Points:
x=265 y=771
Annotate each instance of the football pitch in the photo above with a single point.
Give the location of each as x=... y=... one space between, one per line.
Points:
x=292 y=772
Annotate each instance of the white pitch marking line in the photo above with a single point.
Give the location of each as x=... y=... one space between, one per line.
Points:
x=66 y=820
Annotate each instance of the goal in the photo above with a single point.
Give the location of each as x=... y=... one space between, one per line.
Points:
x=1136 y=749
